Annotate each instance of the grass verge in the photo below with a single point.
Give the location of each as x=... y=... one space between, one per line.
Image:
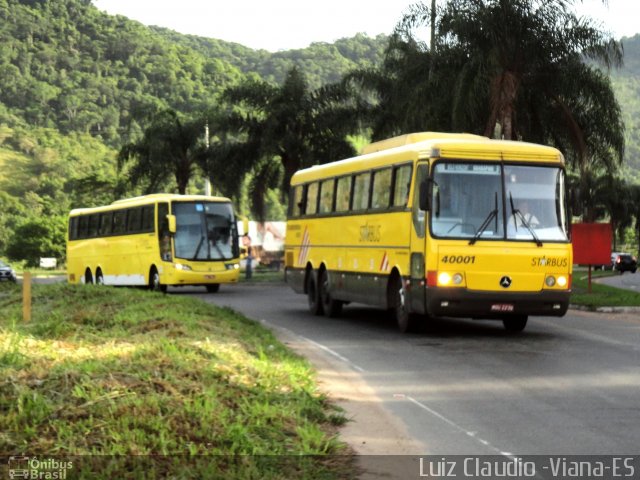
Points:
x=601 y=295
x=263 y=275
x=129 y=379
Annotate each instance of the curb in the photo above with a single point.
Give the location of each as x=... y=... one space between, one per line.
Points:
x=605 y=309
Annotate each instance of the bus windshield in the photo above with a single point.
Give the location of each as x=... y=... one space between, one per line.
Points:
x=496 y=201
x=204 y=231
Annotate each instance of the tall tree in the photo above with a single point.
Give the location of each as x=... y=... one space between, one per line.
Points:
x=171 y=145
x=279 y=129
x=513 y=69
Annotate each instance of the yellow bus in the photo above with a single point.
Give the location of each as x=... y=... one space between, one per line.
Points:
x=156 y=241
x=434 y=225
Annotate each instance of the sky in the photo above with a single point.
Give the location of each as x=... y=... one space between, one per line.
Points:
x=289 y=24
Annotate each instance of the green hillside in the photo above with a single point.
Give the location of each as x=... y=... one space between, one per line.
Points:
x=65 y=64
x=77 y=84
x=626 y=83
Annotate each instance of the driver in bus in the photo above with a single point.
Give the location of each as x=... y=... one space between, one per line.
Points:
x=526 y=214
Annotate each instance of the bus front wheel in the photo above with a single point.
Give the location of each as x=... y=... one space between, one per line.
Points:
x=397 y=304
x=154 y=282
x=99 y=277
x=213 y=287
x=332 y=308
x=313 y=297
x=515 y=324
x=88 y=278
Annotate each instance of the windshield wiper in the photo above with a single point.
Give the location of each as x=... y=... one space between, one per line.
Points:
x=195 y=255
x=493 y=214
x=515 y=212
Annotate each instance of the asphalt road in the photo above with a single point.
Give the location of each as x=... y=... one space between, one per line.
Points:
x=564 y=386
x=628 y=281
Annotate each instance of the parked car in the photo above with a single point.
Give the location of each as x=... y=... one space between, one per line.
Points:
x=625 y=262
x=7 y=273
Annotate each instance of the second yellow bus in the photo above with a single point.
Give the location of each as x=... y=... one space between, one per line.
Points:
x=155 y=240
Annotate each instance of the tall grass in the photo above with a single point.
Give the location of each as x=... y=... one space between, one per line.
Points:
x=124 y=379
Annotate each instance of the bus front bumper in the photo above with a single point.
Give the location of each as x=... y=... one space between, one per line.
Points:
x=459 y=302
x=179 y=276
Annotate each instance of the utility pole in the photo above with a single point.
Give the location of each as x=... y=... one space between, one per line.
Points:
x=207 y=183
x=433 y=37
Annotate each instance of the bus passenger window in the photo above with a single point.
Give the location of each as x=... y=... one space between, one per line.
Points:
x=312 y=199
x=93 y=226
x=105 y=224
x=361 y=191
x=119 y=222
x=83 y=226
x=381 y=189
x=148 y=218
x=326 y=195
x=343 y=194
x=134 y=220
x=73 y=228
x=295 y=204
x=401 y=185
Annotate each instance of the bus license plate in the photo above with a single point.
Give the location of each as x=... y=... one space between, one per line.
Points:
x=209 y=277
x=502 y=307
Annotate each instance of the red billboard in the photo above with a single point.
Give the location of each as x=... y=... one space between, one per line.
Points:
x=591 y=243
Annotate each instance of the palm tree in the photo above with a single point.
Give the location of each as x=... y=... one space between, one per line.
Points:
x=515 y=69
x=274 y=130
x=171 y=145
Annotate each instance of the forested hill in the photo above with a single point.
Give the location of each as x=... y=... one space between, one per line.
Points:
x=626 y=83
x=321 y=62
x=65 y=64
x=77 y=83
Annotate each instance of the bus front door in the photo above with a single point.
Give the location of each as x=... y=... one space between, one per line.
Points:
x=417 y=287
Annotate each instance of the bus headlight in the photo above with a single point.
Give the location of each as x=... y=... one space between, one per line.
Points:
x=445 y=279
x=550 y=281
x=232 y=266
x=185 y=268
x=562 y=281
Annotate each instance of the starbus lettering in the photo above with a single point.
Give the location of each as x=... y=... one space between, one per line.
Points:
x=549 y=262
x=370 y=233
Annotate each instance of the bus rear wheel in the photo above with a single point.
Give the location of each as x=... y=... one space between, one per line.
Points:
x=99 y=277
x=313 y=297
x=88 y=278
x=213 y=287
x=154 y=282
x=332 y=308
x=515 y=324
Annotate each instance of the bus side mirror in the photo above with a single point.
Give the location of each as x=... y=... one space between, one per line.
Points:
x=171 y=219
x=426 y=188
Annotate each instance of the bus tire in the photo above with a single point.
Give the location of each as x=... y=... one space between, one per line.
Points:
x=154 y=281
x=515 y=324
x=88 y=278
x=332 y=308
x=313 y=296
x=213 y=287
x=405 y=321
x=99 y=277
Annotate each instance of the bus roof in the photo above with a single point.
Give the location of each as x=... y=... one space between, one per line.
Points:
x=148 y=199
x=410 y=147
x=411 y=138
